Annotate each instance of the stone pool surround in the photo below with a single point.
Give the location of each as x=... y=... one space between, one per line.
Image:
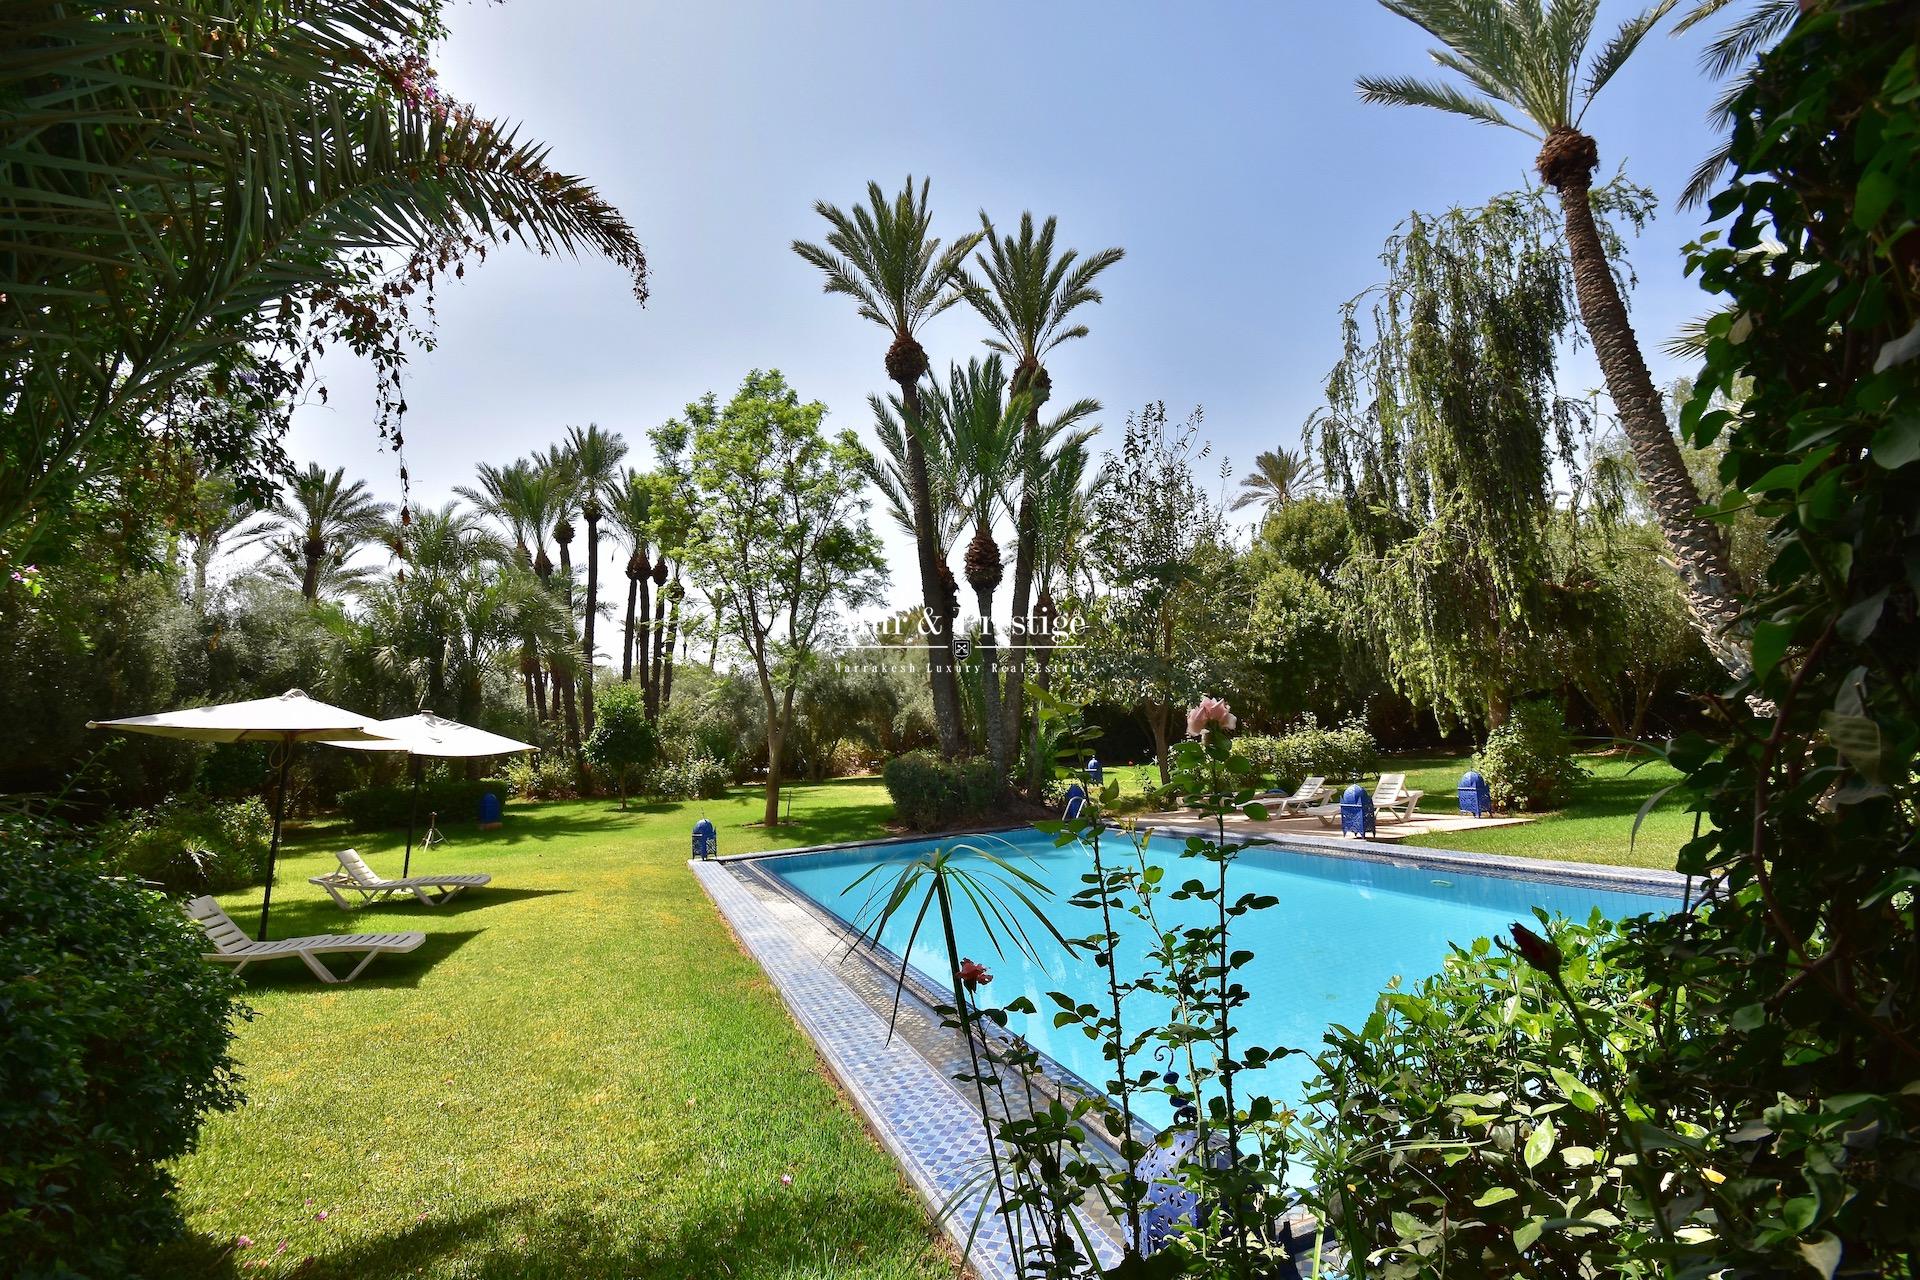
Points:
x=902 y=1084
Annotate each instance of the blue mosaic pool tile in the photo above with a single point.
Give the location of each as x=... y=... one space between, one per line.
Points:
x=921 y=1118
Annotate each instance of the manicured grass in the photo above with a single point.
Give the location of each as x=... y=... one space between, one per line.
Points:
x=579 y=1075
x=1595 y=826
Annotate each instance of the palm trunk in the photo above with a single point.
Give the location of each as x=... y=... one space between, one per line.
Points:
x=626 y=643
x=1699 y=552
x=659 y=628
x=1043 y=680
x=983 y=573
x=1026 y=537
x=941 y=674
x=643 y=641
x=310 y=576
x=673 y=638
x=593 y=613
x=563 y=685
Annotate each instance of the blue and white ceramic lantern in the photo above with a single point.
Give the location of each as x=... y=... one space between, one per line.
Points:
x=705 y=842
x=1356 y=812
x=1096 y=772
x=1476 y=797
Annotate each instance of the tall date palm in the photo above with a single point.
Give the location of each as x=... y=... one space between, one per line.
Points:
x=1278 y=477
x=884 y=256
x=322 y=519
x=1027 y=293
x=1530 y=57
x=630 y=509
x=596 y=456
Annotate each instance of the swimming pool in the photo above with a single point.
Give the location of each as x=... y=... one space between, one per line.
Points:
x=1343 y=928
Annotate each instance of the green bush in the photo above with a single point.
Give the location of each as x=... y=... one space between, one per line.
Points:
x=117 y=1043
x=929 y=792
x=547 y=776
x=1470 y=1123
x=624 y=743
x=694 y=777
x=454 y=799
x=193 y=844
x=1345 y=753
x=1528 y=761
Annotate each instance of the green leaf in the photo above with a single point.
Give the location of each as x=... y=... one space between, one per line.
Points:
x=1769 y=645
x=1858 y=622
x=1898 y=443
x=1575 y=1090
x=1749 y=1017
x=1497 y=1195
x=1799 y=1213
x=1822 y=1253
x=1874 y=196
x=1855 y=737
x=1526 y=1233
x=1539 y=1144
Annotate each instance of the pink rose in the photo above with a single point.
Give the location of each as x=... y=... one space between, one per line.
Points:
x=1210 y=713
x=973 y=974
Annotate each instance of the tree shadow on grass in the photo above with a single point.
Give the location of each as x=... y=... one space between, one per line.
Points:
x=779 y=1233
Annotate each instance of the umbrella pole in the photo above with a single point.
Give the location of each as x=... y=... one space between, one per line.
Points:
x=273 y=849
x=413 y=812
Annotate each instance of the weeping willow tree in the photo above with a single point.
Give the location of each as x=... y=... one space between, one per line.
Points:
x=1446 y=433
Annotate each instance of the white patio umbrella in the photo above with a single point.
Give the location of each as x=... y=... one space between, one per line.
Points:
x=427 y=734
x=281 y=721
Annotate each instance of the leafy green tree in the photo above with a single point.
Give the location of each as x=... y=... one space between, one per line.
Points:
x=779 y=539
x=1531 y=57
x=1443 y=431
x=1170 y=627
x=1028 y=291
x=624 y=742
x=885 y=257
x=216 y=189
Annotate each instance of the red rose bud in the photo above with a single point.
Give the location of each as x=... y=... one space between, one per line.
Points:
x=1536 y=950
x=973 y=974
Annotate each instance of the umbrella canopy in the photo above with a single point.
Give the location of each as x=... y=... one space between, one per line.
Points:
x=289 y=717
x=284 y=720
x=427 y=734
x=430 y=735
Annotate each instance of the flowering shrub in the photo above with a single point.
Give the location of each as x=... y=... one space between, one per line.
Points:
x=1528 y=761
x=193 y=844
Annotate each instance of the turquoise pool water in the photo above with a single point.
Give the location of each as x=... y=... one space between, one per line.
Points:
x=1343 y=928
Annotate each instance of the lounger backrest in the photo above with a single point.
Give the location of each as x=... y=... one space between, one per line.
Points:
x=356 y=866
x=1391 y=785
x=1310 y=788
x=217 y=924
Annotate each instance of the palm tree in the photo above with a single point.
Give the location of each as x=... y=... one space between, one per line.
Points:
x=213 y=516
x=980 y=428
x=1028 y=295
x=320 y=520
x=1530 y=56
x=187 y=171
x=520 y=498
x=596 y=457
x=1278 y=477
x=883 y=257
x=886 y=470
x=1733 y=49
x=561 y=482
x=1061 y=519
x=630 y=508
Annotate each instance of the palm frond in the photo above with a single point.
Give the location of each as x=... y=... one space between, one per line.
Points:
x=1405 y=91
x=1617 y=50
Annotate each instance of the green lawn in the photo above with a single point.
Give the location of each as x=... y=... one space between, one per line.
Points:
x=1595 y=826
x=578 y=1075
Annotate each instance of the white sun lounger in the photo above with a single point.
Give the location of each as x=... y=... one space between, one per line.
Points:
x=1390 y=799
x=355 y=876
x=233 y=946
x=1310 y=793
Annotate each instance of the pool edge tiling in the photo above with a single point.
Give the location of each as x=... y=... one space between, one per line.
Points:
x=928 y=1128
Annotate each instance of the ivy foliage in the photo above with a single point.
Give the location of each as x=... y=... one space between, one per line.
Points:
x=1808 y=963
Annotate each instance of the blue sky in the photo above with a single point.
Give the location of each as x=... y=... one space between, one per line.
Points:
x=1221 y=144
